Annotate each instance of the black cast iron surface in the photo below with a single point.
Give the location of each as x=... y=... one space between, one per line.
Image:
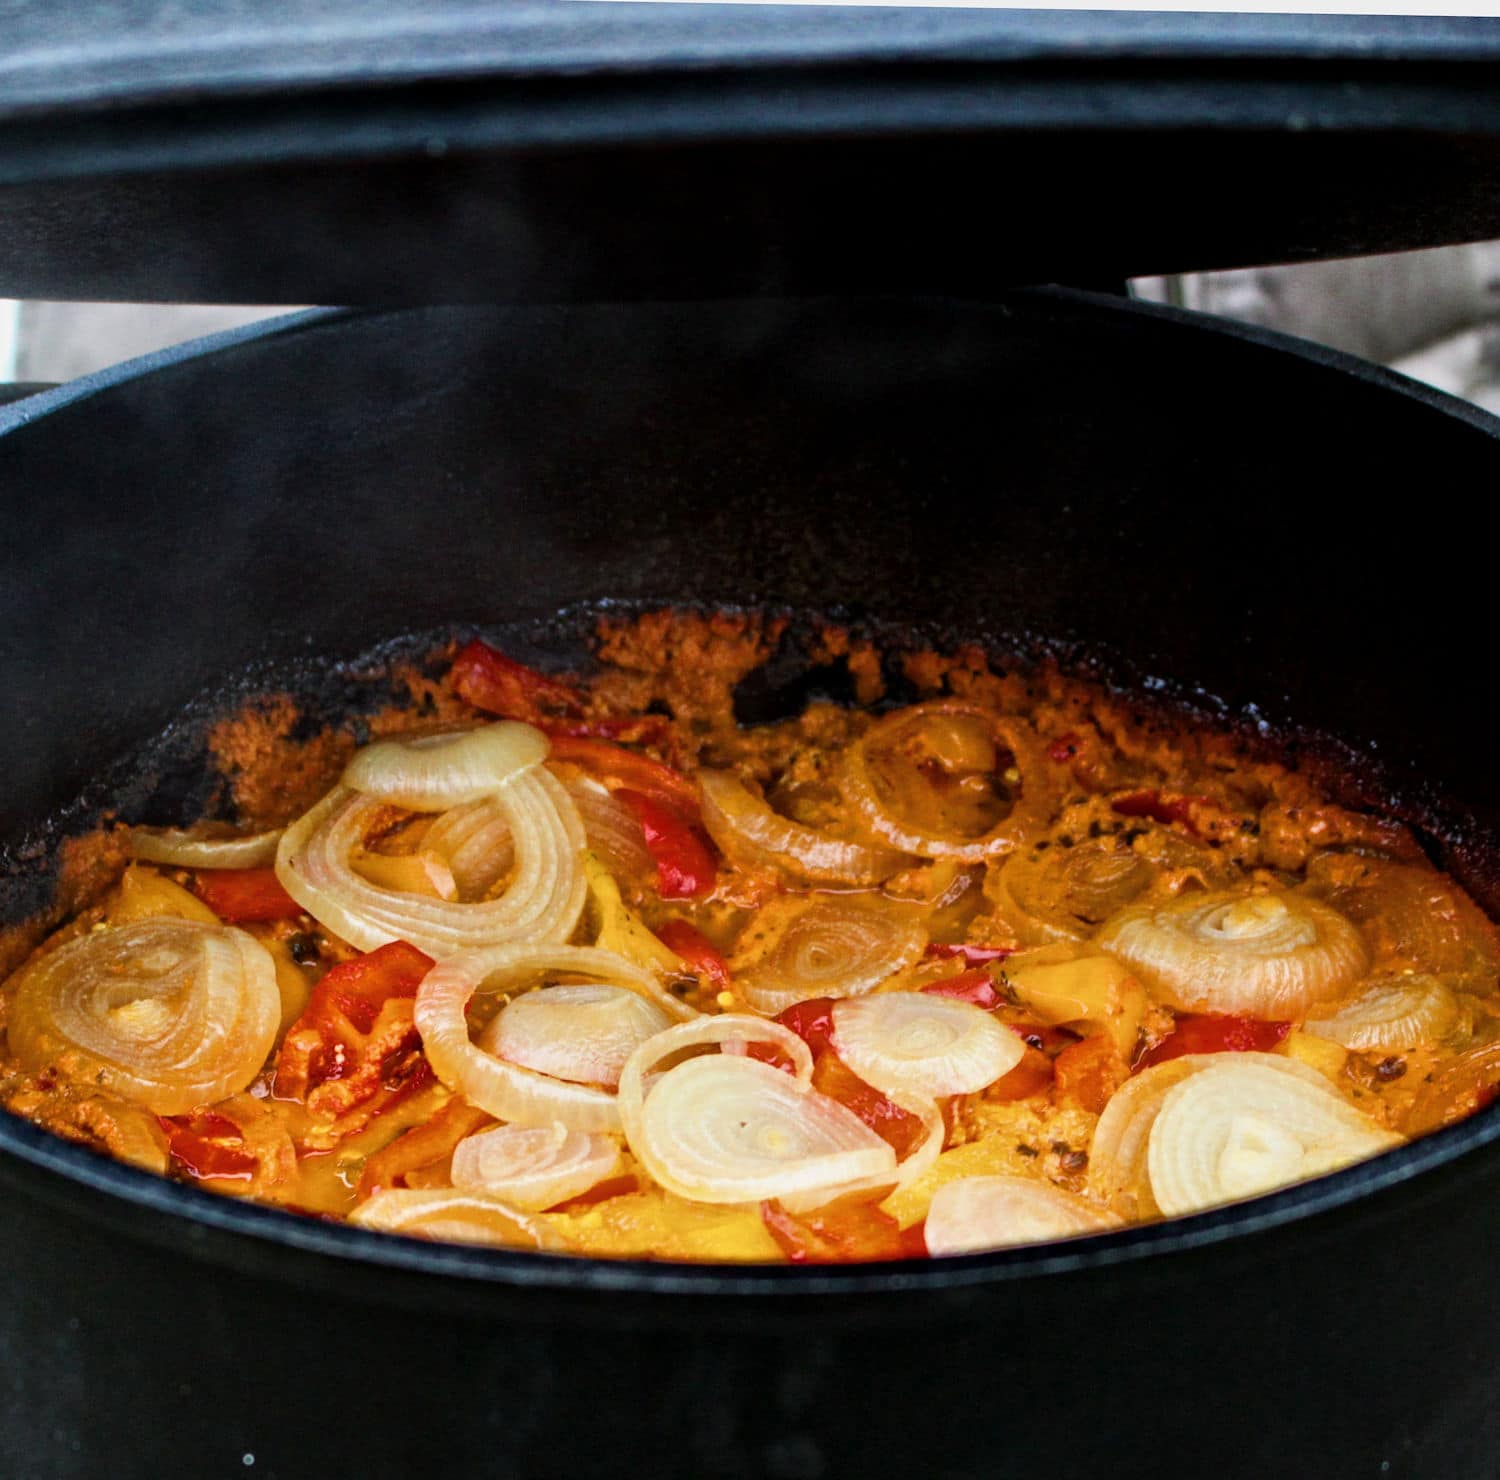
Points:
x=1197 y=508
x=547 y=150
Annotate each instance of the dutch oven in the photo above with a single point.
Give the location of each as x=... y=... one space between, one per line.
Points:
x=1281 y=535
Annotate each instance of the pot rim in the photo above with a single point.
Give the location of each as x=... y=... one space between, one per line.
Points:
x=205 y=1213
x=17 y=415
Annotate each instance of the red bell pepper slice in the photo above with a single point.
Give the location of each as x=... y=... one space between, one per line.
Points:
x=489 y=680
x=684 y=864
x=970 y=955
x=625 y=768
x=245 y=895
x=1161 y=807
x=811 y=1021
x=208 y=1145
x=844 y=1231
x=356 y=1039
x=697 y=953
x=976 y=987
x=1212 y=1032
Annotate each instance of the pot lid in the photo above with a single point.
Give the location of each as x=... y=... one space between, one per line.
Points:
x=373 y=151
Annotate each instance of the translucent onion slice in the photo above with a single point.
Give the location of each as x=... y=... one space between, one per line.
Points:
x=505 y=1090
x=613 y=829
x=542 y=902
x=1237 y=1129
x=169 y=1013
x=975 y=1213
x=453 y=1217
x=1117 y=1157
x=752 y=836
x=1029 y=814
x=533 y=1167
x=929 y=1047
x=476 y=843
x=204 y=846
x=724 y=1128
x=1391 y=1012
x=831 y=945
x=579 y=1033
x=430 y=773
x=1267 y=955
x=1065 y=894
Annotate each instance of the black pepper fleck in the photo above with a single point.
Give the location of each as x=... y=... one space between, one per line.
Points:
x=305 y=948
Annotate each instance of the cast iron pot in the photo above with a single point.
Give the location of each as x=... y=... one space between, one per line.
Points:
x=1185 y=503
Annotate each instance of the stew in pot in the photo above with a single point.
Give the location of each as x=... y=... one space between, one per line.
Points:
x=587 y=965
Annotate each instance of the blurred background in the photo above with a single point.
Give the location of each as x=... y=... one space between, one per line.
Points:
x=1433 y=315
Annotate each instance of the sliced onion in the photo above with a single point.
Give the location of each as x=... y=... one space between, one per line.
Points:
x=542 y=902
x=430 y=773
x=930 y=1047
x=169 y=1013
x=205 y=846
x=729 y=1129
x=1391 y=1012
x=1065 y=894
x=1269 y=955
x=582 y=1033
x=828 y=945
x=533 y=1167
x=453 y=1217
x=752 y=836
x=1237 y=1128
x=1117 y=1155
x=509 y=1091
x=975 y=1213
x=476 y=842
x=1030 y=813
x=613 y=829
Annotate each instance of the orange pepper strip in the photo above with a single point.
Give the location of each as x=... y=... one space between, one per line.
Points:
x=1032 y=1076
x=848 y=1229
x=899 y=1128
x=420 y=1147
x=1089 y=1072
x=245 y=895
